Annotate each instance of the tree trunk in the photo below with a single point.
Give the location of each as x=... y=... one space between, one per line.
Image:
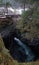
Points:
x=24 y=6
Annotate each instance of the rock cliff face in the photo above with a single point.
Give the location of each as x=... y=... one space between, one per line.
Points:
x=8 y=35
x=14 y=47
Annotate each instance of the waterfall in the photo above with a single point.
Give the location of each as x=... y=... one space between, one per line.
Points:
x=28 y=52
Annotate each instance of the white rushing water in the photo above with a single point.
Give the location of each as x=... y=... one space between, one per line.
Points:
x=11 y=11
x=28 y=52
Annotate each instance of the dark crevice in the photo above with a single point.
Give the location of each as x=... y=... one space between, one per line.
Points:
x=17 y=54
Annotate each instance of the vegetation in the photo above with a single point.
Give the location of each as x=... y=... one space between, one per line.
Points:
x=23 y=2
x=7 y=5
x=0 y=1
x=29 y=24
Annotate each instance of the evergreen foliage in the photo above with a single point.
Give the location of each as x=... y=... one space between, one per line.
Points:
x=29 y=24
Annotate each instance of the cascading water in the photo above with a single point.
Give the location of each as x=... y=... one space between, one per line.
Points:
x=28 y=52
